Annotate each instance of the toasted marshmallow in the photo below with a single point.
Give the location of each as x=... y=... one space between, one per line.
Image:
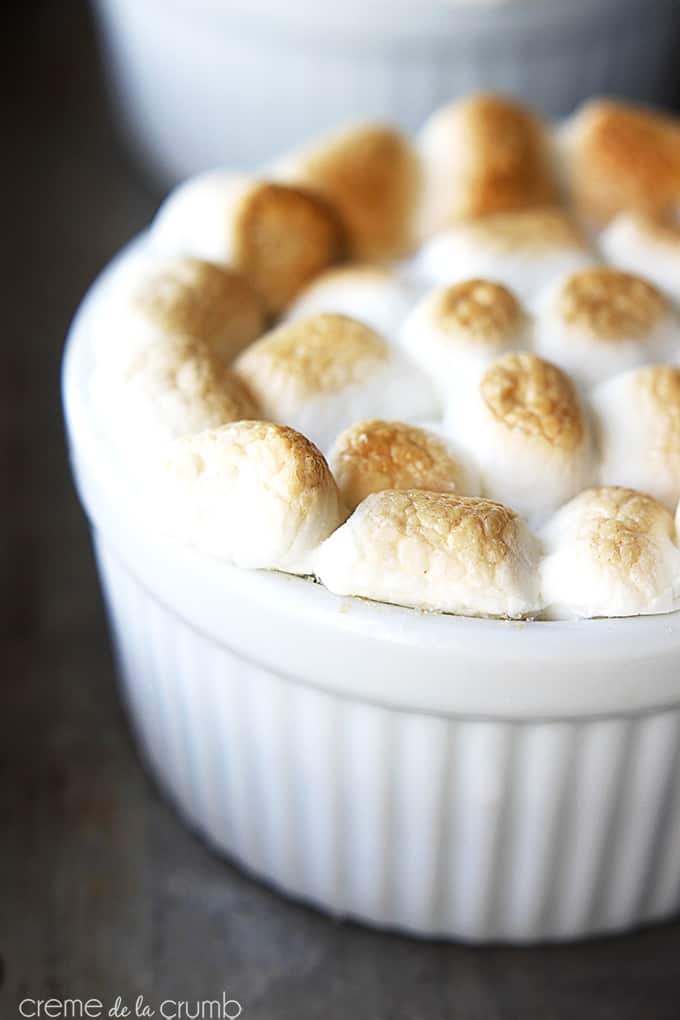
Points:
x=638 y=419
x=601 y=321
x=279 y=237
x=454 y=332
x=646 y=245
x=374 y=295
x=323 y=373
x=181 y=296
x=253 y=494
x=620 y=157
x=524 y=426
x=172 y=388
x=374 y=455
x=482 y=154
x=526 y=251
x=610 y=552
x=433 y=550
x=371 y=175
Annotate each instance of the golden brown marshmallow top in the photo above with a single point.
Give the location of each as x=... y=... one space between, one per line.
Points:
x=524 y=393
x=374 y=455
x=480 y=310
x=321 y=354
x=610 y=304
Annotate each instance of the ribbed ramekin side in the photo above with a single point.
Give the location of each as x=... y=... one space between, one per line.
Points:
x=458 y=827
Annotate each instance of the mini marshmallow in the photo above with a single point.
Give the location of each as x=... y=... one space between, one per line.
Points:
x=372 y=294
x=374 y=455
x=601 y=321
x=279 y=237
x=371 y=175
x=610 y=552
x=526 y=251
x=454 y=332
x=525 y=428
x=620 y=157
x=323 y=373
x=172 y=388
x=182 y=296
x=646 y=245
x=251 y=493
x=482 y=154
x=638 y=419
x=437 y=551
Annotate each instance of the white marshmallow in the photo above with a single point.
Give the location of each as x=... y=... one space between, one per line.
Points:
x=251 y=493
x=152 y=298
x=645 y=245
x=454 y=332
x=371 y=174
x=172 y=388
x=610 y=552
x=434 y=551
x=601 y=321
x=374 y=455
x=524 y=250
x=482 y=154
x=638 y=423
x=373 y=295
x=279 y=237
x=323 y=373
x=524 y=426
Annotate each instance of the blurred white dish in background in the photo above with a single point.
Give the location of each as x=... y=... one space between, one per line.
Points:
x=204 y=82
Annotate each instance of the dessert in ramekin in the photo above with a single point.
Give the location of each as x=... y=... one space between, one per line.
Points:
x=396 y=615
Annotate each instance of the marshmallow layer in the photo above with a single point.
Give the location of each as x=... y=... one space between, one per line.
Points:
x=610 y=552
x=322 y=373
x=525 y=427
x=434 y=551
x=481 y=155
x=279 y=237
x=524 y=250
x=454 y=332
x=638 y=422
x=372 y=294
x=374 y=455
x=251 y=493
x=601 y=321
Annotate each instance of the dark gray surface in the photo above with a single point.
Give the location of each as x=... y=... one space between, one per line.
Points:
x=103 y=892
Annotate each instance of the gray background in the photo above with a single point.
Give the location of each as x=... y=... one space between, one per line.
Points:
x=102 y=891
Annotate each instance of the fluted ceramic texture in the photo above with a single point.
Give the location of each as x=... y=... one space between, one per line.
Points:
x=458 y=827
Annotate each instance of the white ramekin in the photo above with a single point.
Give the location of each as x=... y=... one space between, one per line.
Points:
x=464 y=778
x=208 y=82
